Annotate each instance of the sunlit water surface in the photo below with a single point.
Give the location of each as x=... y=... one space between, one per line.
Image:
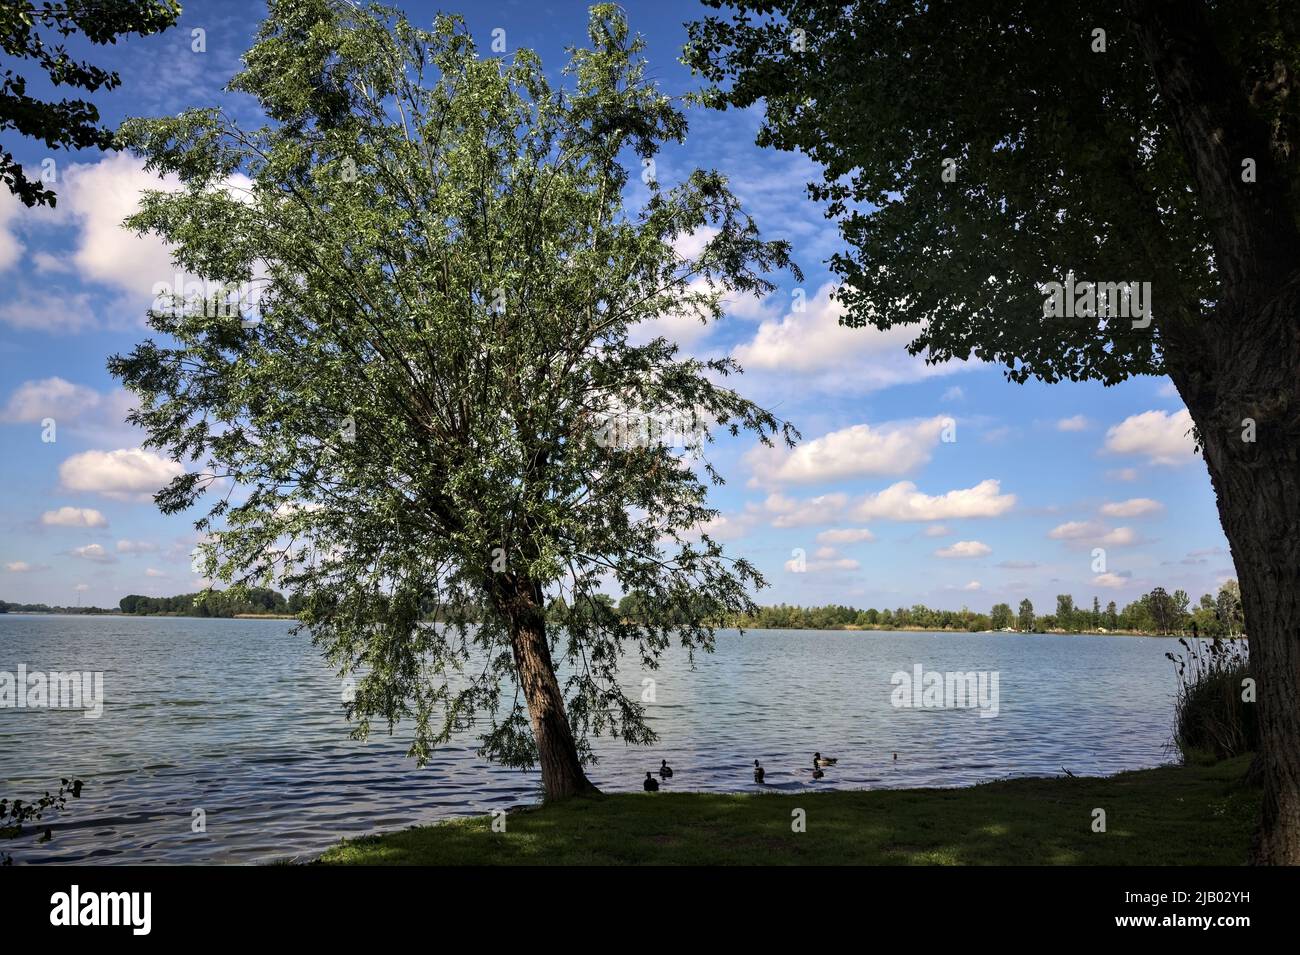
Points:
x=243 y=720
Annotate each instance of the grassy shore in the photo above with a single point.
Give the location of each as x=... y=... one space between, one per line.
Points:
x=1174 y=815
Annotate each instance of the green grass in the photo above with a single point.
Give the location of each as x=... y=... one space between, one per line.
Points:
x=1174 y=815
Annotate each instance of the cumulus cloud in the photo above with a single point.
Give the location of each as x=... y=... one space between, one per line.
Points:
x=11 y=250
x=1113 y=581
x=74 y=517
x=797 y=565
x=1162 y=437
x=1090 y=534
x=125 y=474
x=964 y=549
x=789 y=512
x=1075 y=530
x=1133 y=507
x=22 y=567
x=813 y=345
x=136 y=547
x=891 y=449
x=1076 y=423
x=845 y=535
x=95 y=552
x=903 y=502
x=70 y=405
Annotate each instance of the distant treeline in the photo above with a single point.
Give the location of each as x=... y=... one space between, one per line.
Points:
x=8 y=607
x=212 y=603
x=1158 y=612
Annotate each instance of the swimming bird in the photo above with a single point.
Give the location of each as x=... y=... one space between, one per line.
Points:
x=651 y=785
x=665 y=770
x=817 y=773
x=819 y=760
x=758 y=772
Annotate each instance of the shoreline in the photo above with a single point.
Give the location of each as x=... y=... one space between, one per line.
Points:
x=1175 y=814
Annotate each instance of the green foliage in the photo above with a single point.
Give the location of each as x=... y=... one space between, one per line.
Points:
x=67 y=124
x=209 y=603
x=417 y=417
x=1065 y=159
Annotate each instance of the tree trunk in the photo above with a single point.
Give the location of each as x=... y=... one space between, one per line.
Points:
x=1251 y=385
x=1238 y=369
x=557 y=751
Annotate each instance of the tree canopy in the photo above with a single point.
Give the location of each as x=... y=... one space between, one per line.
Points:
x=427 y=411
x=1062 y=158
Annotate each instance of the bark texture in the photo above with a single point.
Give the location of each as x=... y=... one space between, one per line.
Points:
x=521 y=601
x=1238 y=370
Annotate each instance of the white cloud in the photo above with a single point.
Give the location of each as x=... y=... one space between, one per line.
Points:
x=125 y=474
x=813 y=344
x=136 y=547
x=964 y=549
x=954 y=393
x=821 y=566
x=1162 y=437
x=789 y=512
x=70 y=405
x=892 y=449
x=95 y=552
x=903 y=502
x=50 y=311
x=1123 y=474
x=1076 y=423
x=845 y=535
x=98 y=196
x=1090 y=533
x=22 y=567
x=1120 y=537
x=74 y=517
x=1075 y=530
x=935 y=530
x=1113 y=581
x=154 y=572
x=11 y=250
x=1133 y=507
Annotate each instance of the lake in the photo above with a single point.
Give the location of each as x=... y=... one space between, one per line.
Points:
x=242 y=720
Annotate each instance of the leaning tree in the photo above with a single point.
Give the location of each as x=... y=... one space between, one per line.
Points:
x=431 y=407
x=974 y=153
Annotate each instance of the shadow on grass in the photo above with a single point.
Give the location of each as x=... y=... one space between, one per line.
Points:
x=1175 y=815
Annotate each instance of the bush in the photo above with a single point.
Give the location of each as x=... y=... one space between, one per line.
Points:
x=1212 y=721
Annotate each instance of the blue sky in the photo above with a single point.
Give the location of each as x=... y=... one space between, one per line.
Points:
x=875 y=508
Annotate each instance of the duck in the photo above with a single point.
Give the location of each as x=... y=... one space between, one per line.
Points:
x=820 y=760
x=817 y=773
x=651 y=785
x=758 y=772
x=665 y=770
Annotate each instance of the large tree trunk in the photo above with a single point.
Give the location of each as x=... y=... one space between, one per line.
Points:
x=1256 y=378
x=557 y=753
x=1241 y=365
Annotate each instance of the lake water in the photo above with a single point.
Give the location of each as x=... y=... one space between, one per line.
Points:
x=242 y=720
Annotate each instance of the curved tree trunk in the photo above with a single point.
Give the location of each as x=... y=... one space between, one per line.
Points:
x=557 y=752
